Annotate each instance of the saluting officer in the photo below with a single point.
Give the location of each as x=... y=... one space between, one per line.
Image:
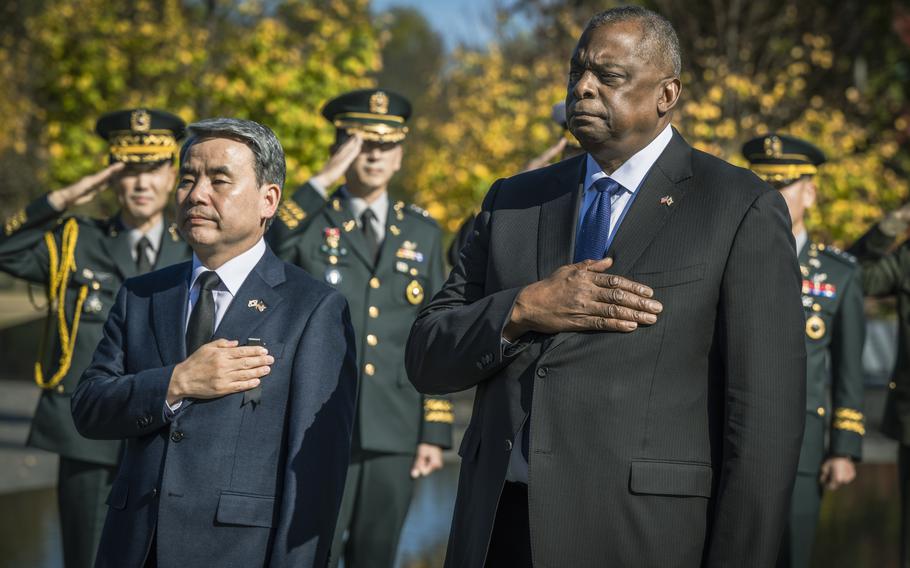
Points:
x=885 y=273
x=835 y=330
x=386 y=258
x=82 y=262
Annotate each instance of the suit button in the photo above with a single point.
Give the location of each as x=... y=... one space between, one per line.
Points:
x=374 y=312
x=60 y=389
x=542 y=372
x=176 y=436
x=821 y=411
x=508 y=445
x=374 y=282
x=154 y=493
x=369 y=369
x=372 y=340
x=892 y=385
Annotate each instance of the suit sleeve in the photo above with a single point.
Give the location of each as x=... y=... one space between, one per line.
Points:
x=23 y=251
x=438 y=412
x=324 y=386
x=294 y=215
x=456 y=341
x=111 y=403
x=882 y=271
x=760 y=324
x=848 y=335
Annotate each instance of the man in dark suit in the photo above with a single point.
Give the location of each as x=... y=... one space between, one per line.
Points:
x=231 y=377
x=644 y=405
x=81 y=262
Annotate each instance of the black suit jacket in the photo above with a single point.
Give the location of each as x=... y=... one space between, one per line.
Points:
x=675 y=445
x=224 y=483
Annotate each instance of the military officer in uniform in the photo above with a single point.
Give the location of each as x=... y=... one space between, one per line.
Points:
x=82 y=262
x=886 y=272
x=386 y=258
x=835 y=330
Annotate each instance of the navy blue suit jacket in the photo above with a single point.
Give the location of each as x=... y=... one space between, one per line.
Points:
x=222 y=482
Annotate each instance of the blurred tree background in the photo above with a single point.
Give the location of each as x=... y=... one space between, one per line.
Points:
x=835 y=73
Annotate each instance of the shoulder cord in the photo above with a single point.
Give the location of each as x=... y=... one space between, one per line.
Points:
x=61 y=268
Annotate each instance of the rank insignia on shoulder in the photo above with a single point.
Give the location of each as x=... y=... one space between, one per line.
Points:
x=414 y=292
x=815 y=327
x=822 y=289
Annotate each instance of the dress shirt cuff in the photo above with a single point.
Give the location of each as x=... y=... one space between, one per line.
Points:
x=171 y=409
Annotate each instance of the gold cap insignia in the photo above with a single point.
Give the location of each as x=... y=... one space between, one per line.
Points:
x=773 y=147
x=379 y=103
x=140 y=121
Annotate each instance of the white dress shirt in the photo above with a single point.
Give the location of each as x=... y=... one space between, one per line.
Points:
x=630 y=176
x=801 y=240
x=232 y=274
x=154 y=238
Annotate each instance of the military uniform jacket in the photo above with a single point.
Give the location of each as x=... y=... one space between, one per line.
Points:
x=37 y=237
x=384 y=299
x=887 y=273
x=835 y=331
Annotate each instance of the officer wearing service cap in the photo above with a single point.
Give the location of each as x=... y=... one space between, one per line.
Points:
x=385 y=256
x=835 y=330
x=82 y=262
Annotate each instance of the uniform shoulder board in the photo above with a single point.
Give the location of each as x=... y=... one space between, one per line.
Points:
x=420 y=212
x=834 y=252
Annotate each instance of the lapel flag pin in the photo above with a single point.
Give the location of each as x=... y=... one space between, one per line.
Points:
x=257 y=304
x=666 y=200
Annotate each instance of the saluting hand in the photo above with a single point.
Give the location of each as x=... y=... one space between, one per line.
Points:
x=217 y=369
x=582 y=297
x=339 y=162
x=83 y=190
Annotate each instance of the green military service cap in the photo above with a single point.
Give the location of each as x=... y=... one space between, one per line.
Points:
x=141 y=136
x=780 y=159
x=376 y=114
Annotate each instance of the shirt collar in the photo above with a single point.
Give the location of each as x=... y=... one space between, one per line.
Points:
x=631 y=173
x=801 y=240
x=153 y=235
x=233 y=272
x=358 y=205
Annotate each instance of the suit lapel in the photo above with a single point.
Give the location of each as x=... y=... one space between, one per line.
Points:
x=657 y=199
x=558 y=213
x=169 y=317
x=340 y=216
x=255 y=302
x=117 y=246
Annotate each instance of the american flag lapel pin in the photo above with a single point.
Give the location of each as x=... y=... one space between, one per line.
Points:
x=256 y=305
x=666 y=200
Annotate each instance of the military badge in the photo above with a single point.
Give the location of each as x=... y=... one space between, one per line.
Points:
x=815 y=327
x=819 y=289
x=333 y=276
x=401 y=266
x=414 y=292
x=408 y=251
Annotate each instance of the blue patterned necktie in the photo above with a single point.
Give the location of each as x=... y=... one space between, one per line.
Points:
x=595 y=227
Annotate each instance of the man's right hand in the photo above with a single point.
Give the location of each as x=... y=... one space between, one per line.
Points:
x=582 y=297
x=895 y=223
x=217 y=369
x=83 y=190
x=339 y=162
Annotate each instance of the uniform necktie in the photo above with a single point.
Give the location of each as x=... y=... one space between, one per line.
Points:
x=595 y=227
x=369 y=232
x=202 y=320
x=142 y=256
